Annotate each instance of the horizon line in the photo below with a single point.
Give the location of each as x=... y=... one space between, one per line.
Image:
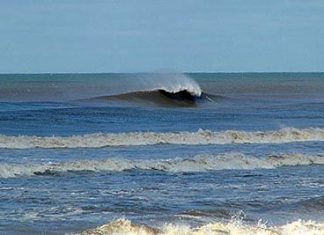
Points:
x=192 y=72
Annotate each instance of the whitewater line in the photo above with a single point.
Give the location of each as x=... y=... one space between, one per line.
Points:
x=201 y=137
x=198 y=163
x=127 y=227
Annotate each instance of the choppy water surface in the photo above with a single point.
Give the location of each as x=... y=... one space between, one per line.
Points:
x=162 y=153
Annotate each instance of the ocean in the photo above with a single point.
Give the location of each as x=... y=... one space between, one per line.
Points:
x=162 y=153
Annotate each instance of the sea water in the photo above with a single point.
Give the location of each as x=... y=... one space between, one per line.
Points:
x=247 y=159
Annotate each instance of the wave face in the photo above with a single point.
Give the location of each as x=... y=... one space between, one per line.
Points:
x=201 y=137
x=199 y=163
x=163 y=98
x=126 y=227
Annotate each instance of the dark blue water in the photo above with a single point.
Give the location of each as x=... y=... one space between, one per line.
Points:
x=255 y=150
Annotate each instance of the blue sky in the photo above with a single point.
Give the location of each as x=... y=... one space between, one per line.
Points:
x=154 y=35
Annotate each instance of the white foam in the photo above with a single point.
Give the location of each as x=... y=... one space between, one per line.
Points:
x=201 y=137
x=172 y=83
x=199 y=163
x=126 y=227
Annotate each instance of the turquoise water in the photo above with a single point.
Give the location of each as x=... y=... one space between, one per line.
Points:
x=74 y=154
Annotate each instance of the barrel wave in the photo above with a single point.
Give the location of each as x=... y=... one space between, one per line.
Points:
x=166 y=90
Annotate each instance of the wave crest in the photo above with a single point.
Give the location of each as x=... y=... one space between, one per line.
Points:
x=162 y=98
x=158 y=89
x=199 y=163
x=172 y=83
x=201 y=137
x=126 y=227
x=71 y=87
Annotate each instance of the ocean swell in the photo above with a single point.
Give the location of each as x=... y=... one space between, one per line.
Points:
x=181 y=98
x=169 y=90
x=201 y=137
x=199 y=163
x=68 y=87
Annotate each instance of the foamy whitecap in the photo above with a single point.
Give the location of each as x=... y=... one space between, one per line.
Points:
x=172 y=83
x=201 y=137
x=199 y=163
x=126 y=227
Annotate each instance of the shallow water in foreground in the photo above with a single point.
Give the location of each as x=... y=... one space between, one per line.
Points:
x=248 y=161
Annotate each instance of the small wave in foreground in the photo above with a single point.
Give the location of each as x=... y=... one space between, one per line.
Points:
x=201 y=137
x=126 y=227
x=199 y=163
x=70 y=87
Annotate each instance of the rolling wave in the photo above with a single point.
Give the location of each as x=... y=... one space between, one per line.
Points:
x=158 y=97
x=171 y=83
x=72 y=87
x=199 y=163
x=127 y=227
x=201 y=137
x=161 y=90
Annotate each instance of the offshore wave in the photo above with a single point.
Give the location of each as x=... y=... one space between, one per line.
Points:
x=127 y=227
x=199 y=163
x=160 y=98
x=71 y=87
x=168 y=82
x=201 y=137
x=162 y=90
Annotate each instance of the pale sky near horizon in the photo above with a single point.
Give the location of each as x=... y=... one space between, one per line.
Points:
x=154 y=35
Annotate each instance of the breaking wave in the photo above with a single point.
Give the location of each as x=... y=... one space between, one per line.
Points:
x=159 y=89
x=171 y=83
x=201 y=137
x=199 y=163
x=160 y=98
x=71 y=87
x=127 y=227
